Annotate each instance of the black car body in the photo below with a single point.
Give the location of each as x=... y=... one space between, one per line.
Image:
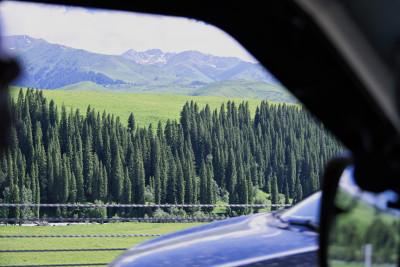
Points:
x=282 y=238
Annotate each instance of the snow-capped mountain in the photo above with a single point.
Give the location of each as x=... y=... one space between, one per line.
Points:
x=20 y=43
x=149 y=57
x=201 y=67
x=51 y=66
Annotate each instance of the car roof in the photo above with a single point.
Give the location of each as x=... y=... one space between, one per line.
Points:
x=337 y=57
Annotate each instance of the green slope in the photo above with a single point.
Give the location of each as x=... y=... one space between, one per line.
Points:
x=247 y=88
x=175 y=89
x=85 y=86
x=147 y=108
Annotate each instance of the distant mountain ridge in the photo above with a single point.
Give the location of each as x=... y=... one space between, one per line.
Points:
x=50 y=66
x=53 y=66
x=201 y=67
x=149 y=57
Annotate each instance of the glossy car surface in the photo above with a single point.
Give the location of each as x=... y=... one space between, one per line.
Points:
x=285 y=238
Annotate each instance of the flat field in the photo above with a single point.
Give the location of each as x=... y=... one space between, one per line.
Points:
x=147 y=108
x=42 y=258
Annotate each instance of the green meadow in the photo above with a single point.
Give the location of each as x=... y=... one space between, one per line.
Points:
x=84 y=257
x=147 y=108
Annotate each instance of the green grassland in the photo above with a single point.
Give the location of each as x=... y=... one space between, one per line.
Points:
x=248 y=88
x=147 y=108
x=38 y=258
x=88 y=86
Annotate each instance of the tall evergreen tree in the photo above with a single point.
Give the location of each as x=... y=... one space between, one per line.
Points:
x=203 y=184
x=274 y=191
x=139 y=182
x=117 y=178
x=88 y=167
x=131 y=122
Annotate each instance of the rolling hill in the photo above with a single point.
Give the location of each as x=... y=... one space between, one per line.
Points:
x=250 y=89
x=85 y=86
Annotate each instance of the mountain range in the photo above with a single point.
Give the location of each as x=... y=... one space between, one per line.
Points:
x=54 y=66
x=201 y=67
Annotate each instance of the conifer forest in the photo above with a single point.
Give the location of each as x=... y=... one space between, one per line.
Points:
x=73 y=156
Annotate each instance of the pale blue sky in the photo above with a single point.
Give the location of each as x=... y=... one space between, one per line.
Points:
x=114 y=32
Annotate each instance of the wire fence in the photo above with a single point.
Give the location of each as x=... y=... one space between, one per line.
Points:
x=144 y=205
x=106 y=220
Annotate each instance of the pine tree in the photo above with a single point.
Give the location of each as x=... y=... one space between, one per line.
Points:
x=274 y=191
x=65 y=177
x=63 y=130
x=72 y=189
x=171 y=197
x=117 y=178
x=189 y=174
x=287 y=192
x=156 y=162
x=157 y=187
x=127 y=189
x=36 y=196
x=203 y=184
x=53 y=113
x=14 y=195
x=131 y=122
x=299 y=193
x=139 y=183
x=242 y=189
x=88 y=167
x=231 y=176
x=180 y=182
x=210 y=185
x=78 y=174
x=104 y=189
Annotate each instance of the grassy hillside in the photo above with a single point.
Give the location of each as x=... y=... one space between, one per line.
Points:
x=74 y=243
x=85 y=86
x=250 y=89
x=147 y=108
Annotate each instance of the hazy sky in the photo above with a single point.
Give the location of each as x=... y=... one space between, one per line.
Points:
x=114 y=32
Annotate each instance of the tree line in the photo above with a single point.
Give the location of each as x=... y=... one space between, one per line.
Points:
x=62 y=156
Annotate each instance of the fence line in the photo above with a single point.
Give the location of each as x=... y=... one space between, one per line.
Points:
x=143 y=205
